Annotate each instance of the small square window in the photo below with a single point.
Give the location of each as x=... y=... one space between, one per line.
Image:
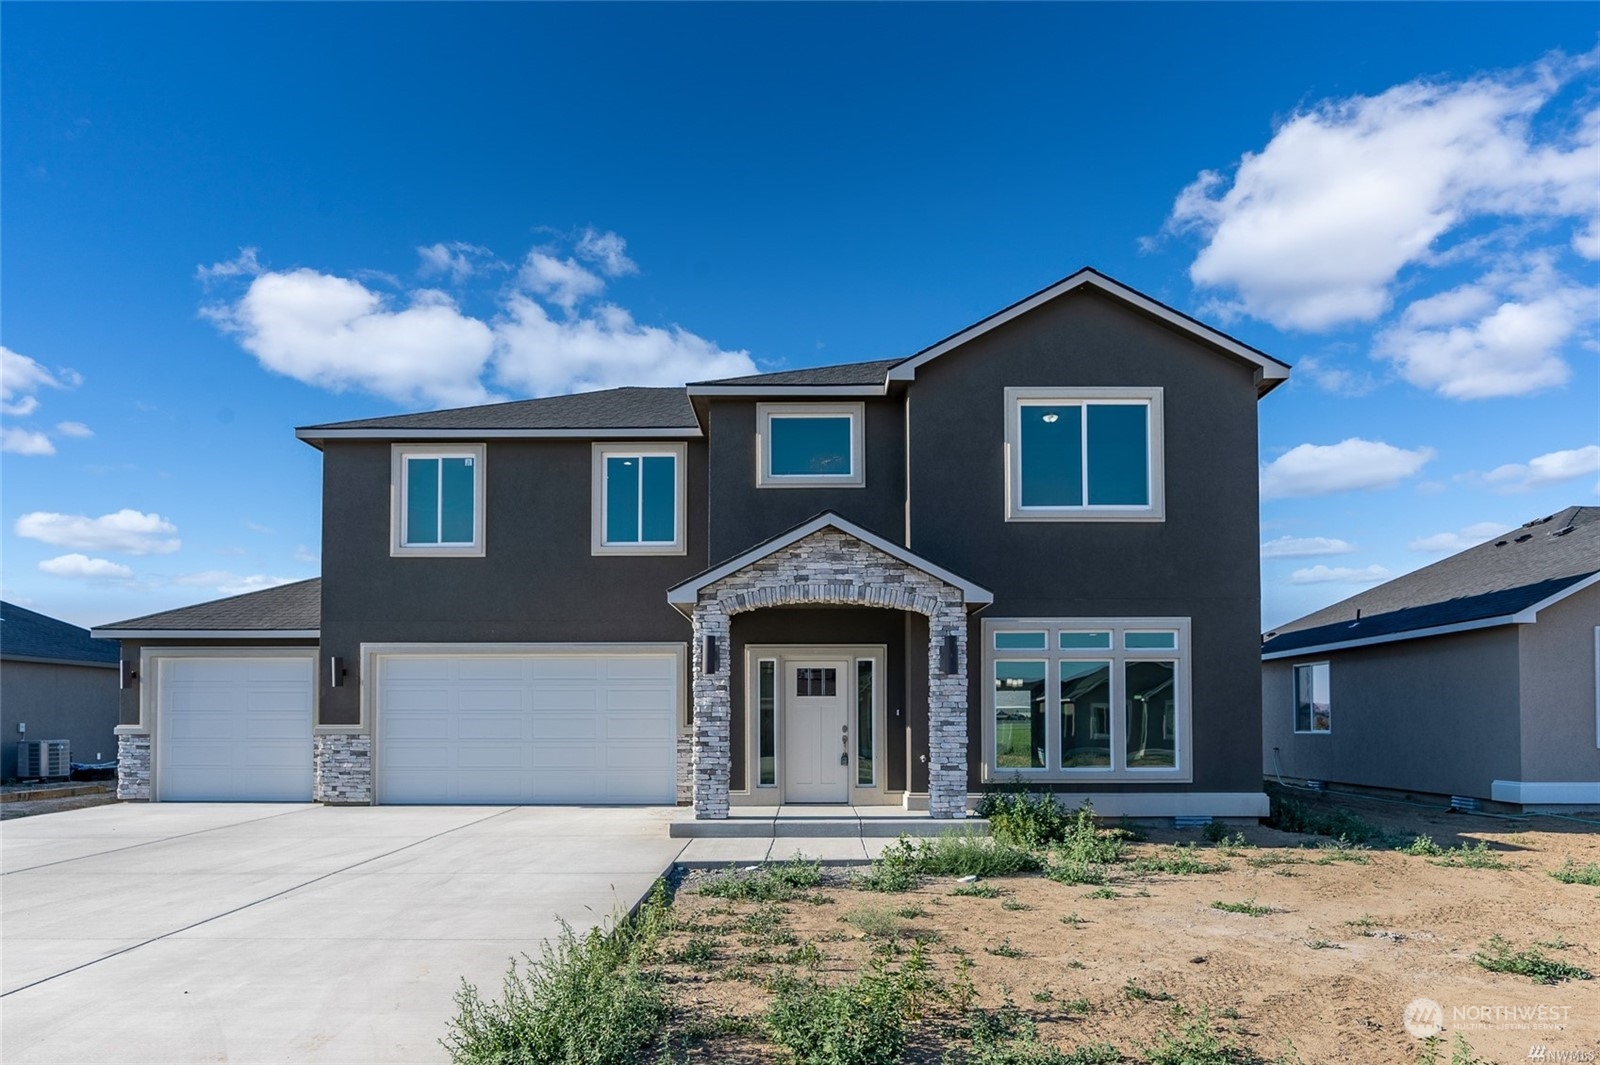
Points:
x=810 y=445
x=816 y=682
x=1019 y=641
x=1150 y=641
x=1085 y=641
x=437 y=500
x=1085 y=454
x=638 y=499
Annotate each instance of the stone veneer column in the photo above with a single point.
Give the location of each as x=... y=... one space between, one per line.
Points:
x=342 y=769
x=713 y=712
x=133 y=766
x=947 y=715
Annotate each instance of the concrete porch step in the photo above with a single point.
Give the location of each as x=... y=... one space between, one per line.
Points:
x=803 y=826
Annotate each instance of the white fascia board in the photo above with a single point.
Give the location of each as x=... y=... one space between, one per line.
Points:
x=1269 y=370
x=1546 y=793
x=206 y=634
x=316 y=435
x=1395 y=637
x=687 y=593
x=789 y=390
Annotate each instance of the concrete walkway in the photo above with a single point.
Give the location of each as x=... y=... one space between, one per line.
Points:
x=254 y=933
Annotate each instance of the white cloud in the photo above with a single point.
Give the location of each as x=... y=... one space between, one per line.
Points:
x=304 y=554
x=607 y=251
x=246 y=264
x=1339 y=575
x=1549 y=469
x=1452 y=542
x=1322 y=469
x=456 y=260
x=21 y=377
x=1338 y=380
x=335 y=333
x=77 y=429
x=1305 y=547
x=231 y=583
x=82 y=567
x=257 y=527
x=1314 y=230
x=127 y=531
x=338 y=334
x=25 y=442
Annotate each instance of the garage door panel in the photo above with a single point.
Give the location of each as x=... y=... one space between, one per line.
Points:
x=570 y=728
x=234 y=729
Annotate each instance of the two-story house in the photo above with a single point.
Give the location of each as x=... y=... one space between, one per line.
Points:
x=1026 y=552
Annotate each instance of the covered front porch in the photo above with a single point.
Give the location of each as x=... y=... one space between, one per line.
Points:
x=829 y=673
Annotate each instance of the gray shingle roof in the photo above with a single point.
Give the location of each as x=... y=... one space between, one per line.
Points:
x=288 y=607
x=29 y=634
x=849 y=373
x=1499 y=577
x=613 y=408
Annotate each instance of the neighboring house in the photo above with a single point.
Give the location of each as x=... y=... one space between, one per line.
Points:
x=1474 y=677
x=1025 y=552
x=59 y=684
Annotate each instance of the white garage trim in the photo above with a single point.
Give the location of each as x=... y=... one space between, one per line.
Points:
x=372 y=683
x=150 y=691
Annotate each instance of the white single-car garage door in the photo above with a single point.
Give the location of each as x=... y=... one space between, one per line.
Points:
x=527 y=727
x=234 y=729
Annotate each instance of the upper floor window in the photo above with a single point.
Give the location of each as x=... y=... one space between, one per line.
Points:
x=1084 y=454
x=437 y=499
x=809 y=445
x=1313 y=702
x=638 y=499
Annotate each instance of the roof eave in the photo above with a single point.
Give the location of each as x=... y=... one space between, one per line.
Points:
x=206 y=634
x=789 y=390
x=314 y=435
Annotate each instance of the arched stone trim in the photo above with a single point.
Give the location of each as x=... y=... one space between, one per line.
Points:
x=831 y=567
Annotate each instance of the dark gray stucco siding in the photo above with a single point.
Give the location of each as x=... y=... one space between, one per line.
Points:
x=743 y=515
x=536 y=583
x=1200 y=562
x=831 y=626
x=128 y=698
x=1436 y=716
x=58 y=701
x=1560 y=707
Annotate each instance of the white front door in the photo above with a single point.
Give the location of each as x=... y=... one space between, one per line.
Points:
x=816 y=731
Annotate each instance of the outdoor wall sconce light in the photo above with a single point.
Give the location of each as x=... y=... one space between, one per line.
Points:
x=947 y=657
x=708 y=660
x=129 y=674
x=336 y=671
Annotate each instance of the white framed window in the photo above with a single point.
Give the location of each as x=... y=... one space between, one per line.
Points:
x=436 y=494
x=1087 y=699
x=1084 y=454
x=638 y=499
x=810 y=445
x=1313 y=698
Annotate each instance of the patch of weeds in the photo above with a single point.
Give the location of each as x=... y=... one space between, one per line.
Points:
x=699 y=952
x=1025 y=819
x=962 y=991
x=1196 y=1043
x=1072 y=919
x=1134 y=993
x=1180 y=860
x=1044 y=994
x=586 y=999
x=1216 y=833
x=1075 y=964
x=806 y=956
x=1013 y=904
x=764 y=928
x=967 y=854
x=1323 y=944
x=892 y=871
x=1289 y=814
x=1085 y=853
x=1462 y=856
x=1248 y=907
x=1573 y=873
x=1273 y=859
x=1558 y=943
x=911 y=913
x=874 y=922
x=977 y=890
x=856 y=1022
x=1004 y=949
x=1230 y=1013
x=771 y=883
x=1342 y=850
x=1498 y=957
x=1461 y=1052
x=1365 y=923
x=1008 y=1036
x=1102 y=892
x=1077 y=1005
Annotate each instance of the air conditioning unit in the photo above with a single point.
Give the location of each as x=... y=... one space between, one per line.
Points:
x=43 y=758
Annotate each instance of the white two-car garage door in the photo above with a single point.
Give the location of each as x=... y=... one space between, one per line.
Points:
x=234 y=729
x=527 y=727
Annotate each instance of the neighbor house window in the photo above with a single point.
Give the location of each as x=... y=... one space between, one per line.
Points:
x=638 y=499
x=810 y=445
x=1312 y=699
x=1117 y=704
x=437 y=500
x=1084 y=454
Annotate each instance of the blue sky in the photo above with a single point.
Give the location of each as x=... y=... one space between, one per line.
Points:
x=222 y=221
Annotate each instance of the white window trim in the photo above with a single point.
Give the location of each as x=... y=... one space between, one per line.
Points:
x=1294 y=699
x=398 y=453
x=1118 y=771
x=1017 y=398
x=597 y=494
x=856 y=412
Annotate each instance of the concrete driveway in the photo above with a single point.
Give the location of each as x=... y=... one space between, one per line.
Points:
x=253 y=933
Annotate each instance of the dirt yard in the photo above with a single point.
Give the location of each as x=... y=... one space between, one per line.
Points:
x=1322 y=950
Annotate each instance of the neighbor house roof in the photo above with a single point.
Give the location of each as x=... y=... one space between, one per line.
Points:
x=664 y=412
x=1503 y=581
x=287 y=611
x=30 y=636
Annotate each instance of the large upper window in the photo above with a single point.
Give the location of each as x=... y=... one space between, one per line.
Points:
x=437 y=500
x=1313 y=702
x=1087 y=698
x=809 y=445
x=638 y=499
x=1084 y=454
